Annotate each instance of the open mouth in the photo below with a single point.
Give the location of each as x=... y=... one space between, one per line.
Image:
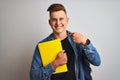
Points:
x=59 y=26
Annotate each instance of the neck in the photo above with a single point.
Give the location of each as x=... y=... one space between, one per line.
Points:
x=60 y=35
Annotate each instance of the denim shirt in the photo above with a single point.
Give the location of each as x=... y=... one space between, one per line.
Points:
x=38 y=72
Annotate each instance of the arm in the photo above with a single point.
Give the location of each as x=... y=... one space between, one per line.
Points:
x=92 y=54
x=37 y=71
x=89 y=50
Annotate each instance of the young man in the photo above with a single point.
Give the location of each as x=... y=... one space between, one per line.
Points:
x=77 y=54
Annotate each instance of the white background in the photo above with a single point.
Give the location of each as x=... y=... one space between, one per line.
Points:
x=23 y=23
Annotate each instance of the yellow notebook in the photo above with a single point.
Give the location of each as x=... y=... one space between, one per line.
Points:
x=48 y=51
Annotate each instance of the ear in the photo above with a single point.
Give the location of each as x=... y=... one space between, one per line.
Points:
x=67 y=20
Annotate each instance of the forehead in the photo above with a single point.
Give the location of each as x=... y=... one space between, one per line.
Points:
x=57 y=14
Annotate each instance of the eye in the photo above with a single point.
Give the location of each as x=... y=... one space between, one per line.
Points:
x=61 y=19
x=53 y=19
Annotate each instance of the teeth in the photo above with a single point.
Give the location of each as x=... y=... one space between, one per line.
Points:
x=58 y=26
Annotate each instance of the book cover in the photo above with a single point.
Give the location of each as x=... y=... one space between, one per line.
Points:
x=48 y=51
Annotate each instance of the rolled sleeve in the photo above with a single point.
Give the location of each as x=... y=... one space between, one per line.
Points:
x=92 y=54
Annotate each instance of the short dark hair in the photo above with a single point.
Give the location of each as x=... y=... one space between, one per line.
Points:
x=56 y=7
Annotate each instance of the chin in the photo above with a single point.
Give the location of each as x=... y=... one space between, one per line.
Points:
x=58 y=31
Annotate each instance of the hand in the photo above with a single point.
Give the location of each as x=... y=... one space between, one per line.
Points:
x=79 y=38
x=61 y=59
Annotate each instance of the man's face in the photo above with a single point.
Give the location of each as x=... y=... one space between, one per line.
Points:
x=58 y=21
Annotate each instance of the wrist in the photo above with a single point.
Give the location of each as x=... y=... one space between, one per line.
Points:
x=55 y=64
x=87 y=42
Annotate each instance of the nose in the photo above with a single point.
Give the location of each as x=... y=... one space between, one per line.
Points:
x=58 y=22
